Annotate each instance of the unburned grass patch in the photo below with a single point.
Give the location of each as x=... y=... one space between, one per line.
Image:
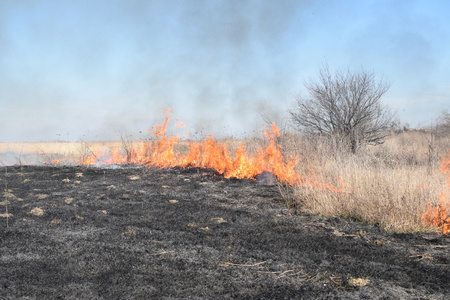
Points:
x=388 y=185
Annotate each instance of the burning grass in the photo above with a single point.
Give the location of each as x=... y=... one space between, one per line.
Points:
x=439 y=215
x=396 y=185
x=164 y=152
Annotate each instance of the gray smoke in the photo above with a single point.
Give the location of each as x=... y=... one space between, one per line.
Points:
x=94 y=68
x=97 y=69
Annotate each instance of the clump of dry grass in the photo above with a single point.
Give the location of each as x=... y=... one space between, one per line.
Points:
x=387 y=185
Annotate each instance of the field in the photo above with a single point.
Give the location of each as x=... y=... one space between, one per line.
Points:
x=127 y=232
x=391 y=185
x=275 y=217
x=46 y=152
x=388 y=185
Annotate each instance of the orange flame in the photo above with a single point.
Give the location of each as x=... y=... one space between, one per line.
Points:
x=439 y=215
x=54 y=161
x=211 y=154
x=90 y=159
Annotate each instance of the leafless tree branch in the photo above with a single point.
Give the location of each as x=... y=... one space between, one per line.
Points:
x=345 y=105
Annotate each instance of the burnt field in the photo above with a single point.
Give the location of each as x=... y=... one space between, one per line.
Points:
x=138 y=233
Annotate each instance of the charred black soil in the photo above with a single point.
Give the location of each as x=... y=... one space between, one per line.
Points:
x=135 y=233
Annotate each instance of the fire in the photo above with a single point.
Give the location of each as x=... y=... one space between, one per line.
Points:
x=211 y=154
x=89 y=159
x=54 y=161
x=439 y=215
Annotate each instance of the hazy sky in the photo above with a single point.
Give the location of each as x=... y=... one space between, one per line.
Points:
x=95 y=69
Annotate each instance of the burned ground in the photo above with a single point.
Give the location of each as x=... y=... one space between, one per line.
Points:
x=135 y=233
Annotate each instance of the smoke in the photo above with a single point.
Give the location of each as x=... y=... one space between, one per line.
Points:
x=83 y=66
x=216 y=78
x=95 y=68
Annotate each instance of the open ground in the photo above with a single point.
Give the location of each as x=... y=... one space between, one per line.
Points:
x=137 y=233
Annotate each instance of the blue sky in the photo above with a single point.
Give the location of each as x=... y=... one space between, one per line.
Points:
x=95 y=70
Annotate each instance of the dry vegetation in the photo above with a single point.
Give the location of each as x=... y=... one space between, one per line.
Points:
x=56 y=153
x=388 y=185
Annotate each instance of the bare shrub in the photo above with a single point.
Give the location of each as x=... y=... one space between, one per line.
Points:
x=345 y=106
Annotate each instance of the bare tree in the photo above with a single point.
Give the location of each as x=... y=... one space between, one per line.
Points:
x=345 y=106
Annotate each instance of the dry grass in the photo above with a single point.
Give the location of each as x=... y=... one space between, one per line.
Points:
x=387 y=185
x=58 y=153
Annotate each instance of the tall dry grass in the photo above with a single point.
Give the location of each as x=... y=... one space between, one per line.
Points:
x=388 y=185
x=59 y=153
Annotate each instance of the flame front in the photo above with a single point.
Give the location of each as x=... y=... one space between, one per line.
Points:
x=55 y=161
x=211 y=154
x=439 y=215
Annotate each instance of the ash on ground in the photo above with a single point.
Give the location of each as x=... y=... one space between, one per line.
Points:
x=135 y=233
